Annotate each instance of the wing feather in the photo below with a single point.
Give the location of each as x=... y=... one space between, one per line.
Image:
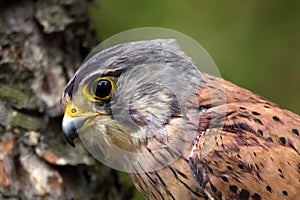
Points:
x=254 y=155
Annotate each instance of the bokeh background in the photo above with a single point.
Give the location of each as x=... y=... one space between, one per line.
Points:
x=255 y=44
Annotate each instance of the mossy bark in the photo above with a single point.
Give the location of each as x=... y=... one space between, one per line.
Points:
x=41 y=45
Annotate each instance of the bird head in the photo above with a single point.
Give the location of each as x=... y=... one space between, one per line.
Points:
x=134 y=96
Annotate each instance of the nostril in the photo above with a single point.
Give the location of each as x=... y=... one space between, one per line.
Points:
x=73 y=110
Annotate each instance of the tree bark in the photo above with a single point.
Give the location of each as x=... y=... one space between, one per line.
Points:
x=41 y=45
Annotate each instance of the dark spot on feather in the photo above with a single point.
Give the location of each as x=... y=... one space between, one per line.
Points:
x=285 y=193
x=229 y=168
x=182 y=174
x=213 y=188
x=244 y=115
x=275 y=118
x=238 y=155
x=249 y=167
x=258 y=175
x=223 y=146
x=216 y=163
x=282 y=140
x=269 y=188
x=266 y=106
x=229 y=113
x=260 y=132
x=257 y=167
x=242 y=108
x=219 y=194
x=295 y=131
x=255 y=113
x=292 y=144
x=244 y=194
x=208 y=117
x=233 y=188
x=224 y=178
x=241 y=166
x=280 y=170
x=204 y=107
x=281 y=176
x=254 y=154
x=256 y=196
x=234 y=118
x=258 y=121
x=244 y=126
x=269 y=139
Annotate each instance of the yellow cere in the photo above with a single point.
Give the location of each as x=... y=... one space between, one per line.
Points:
x=72 y=111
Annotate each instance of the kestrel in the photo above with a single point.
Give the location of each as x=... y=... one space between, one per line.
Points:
x=181 y=134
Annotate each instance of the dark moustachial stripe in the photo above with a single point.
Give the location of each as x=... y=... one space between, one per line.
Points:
x=70 y=87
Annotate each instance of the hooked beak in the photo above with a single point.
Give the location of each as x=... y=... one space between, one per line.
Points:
x=69 y=127
x=72 y=121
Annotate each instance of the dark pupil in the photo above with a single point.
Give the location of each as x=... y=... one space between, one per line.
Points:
x=103 y=88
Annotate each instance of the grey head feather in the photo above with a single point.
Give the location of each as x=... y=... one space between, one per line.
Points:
x=124 y=56
x=155 y=79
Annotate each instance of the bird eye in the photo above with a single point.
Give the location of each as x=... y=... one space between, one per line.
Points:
x=100 y=90
x=103 y=89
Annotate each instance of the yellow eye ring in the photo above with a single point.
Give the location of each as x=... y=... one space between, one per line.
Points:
x=101 y=89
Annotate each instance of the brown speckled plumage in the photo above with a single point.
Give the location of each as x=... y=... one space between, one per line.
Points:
x=256 y=156
x=250 y=151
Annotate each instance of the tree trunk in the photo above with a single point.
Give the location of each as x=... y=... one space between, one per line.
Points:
x=41 y=45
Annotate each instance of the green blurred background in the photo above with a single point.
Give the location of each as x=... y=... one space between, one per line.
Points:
x=255 y=44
